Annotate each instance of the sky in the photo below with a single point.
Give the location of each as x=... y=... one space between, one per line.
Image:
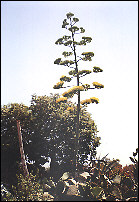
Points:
x=29 y=30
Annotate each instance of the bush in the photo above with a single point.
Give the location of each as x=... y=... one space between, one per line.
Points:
x=28 y=189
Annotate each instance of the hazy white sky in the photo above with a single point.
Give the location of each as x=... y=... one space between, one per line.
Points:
x=29 y=32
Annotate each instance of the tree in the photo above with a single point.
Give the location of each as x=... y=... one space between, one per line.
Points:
x=66 y=40
x=48 y=130
x=10 y=152
x=54 y=129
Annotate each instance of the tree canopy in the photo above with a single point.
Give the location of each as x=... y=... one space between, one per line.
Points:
x=48 y=130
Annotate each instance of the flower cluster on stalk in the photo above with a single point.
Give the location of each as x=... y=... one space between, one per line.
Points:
x=98 y=85
x=72 y=91
x=90 y=100
x=66 y=40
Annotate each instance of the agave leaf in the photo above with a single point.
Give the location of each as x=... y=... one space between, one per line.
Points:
x=116 y=192
x=82 y=189
x=65 y=176
x=104 y=167
x=132 y=160
x=105 y=156
x=110 y=165
x=98 y=165
x=85 y=175
x=72 y=190
x=96 y=191
x=59 y=187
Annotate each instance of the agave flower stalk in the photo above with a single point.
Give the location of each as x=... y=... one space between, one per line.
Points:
x=69 y=41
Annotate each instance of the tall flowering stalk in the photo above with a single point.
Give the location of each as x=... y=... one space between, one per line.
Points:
x=69 y=41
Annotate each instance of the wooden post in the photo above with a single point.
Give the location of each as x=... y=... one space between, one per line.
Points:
x=23 y=161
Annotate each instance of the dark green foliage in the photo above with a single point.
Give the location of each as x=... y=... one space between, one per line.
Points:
x=129 y=182
x=27 y=189
x=48 y=130
x=10 y=153
x=109 y=181
x=106 y=181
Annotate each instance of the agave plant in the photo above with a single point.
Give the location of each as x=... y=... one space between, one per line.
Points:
x=109 y=181
x=103 y=181
x=129 y=179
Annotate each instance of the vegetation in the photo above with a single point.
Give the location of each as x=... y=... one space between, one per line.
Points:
x=69 y=40
x=55 y=128
x=106 y=180
x=48 y=130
